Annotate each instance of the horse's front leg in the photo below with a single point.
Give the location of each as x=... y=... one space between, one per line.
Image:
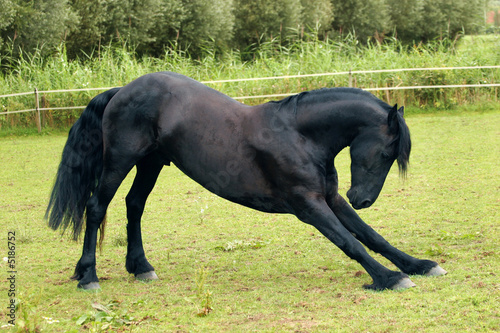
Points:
x=316 y=212
x=375 y=242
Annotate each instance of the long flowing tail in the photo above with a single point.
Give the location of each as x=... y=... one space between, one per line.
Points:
x=80 y=168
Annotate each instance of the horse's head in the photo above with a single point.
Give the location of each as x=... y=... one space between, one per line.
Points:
x=373 y=152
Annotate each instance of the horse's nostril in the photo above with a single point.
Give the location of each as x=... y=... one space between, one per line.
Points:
x=366 y=203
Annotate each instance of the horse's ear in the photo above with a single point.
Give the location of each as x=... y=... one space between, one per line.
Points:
x=392 y=120
x=401 y=110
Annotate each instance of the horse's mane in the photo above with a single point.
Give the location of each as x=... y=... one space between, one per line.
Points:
x=402 y=139
x=332 y=94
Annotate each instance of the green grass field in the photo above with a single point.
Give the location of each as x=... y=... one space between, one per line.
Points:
x=262 y=272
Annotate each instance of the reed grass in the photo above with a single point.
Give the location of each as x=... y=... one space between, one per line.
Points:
x=116 y=66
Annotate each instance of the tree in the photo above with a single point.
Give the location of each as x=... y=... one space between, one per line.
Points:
x=39 y=23
x=167 y=26
x=205 y=21
x=132 y=22
x=317 y=14
x=6 y=16
x=462 y=15
x=263 y=18
x=364 y=18
x=407 y=17
x=447 y=18
x=7 y=13
x=87 y=35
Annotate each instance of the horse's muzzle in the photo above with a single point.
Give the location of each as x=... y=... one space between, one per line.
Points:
x=357 y=201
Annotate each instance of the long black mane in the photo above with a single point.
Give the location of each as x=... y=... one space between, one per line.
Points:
x=332 y=94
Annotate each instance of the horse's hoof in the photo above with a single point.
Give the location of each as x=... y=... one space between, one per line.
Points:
x=404 y=283
x=436 y=271
x=89 y=286
x=148 y=276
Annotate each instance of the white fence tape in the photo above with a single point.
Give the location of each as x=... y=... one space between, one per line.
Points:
x=282 y=78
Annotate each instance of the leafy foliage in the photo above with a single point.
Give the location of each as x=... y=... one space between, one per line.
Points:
x=150 y=26
x=256 y=19
x=37 y=23
x=362 y=17
x=109 y=317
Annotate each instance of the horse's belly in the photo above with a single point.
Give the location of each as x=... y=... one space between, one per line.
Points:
x=262 y=203
x=238 y=182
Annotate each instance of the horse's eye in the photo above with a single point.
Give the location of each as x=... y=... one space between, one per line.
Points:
x=386 y=156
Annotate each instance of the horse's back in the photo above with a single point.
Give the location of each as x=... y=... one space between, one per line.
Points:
x=204 y=132
x=163 y=104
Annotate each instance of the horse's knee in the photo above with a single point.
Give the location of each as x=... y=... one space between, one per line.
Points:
x=132 y=203
x=135 y=207
x=338 y=202
x=95 y=212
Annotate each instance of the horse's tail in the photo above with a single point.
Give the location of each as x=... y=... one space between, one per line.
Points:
x=80 y=168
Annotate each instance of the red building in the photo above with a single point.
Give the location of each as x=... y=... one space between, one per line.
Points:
x=493 y=17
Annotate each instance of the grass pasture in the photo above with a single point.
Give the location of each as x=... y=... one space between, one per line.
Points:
x=261 y=272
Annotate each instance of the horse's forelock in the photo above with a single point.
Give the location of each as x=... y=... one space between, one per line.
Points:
x=404 y=145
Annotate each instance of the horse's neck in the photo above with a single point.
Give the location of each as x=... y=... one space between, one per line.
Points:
x=335 y=125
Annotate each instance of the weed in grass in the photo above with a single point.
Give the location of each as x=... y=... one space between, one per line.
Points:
x=25 y=236
x=206 y=304
x=29 y=319
x=105 y=318
x=203 y=214
x=435 y=251
x=202 y=296
x=445 y=235
x=120 y=240
x=241 y=245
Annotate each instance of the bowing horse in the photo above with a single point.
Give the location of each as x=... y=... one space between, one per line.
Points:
x=276 y=157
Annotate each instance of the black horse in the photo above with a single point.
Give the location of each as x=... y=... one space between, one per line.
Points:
x=276 y=157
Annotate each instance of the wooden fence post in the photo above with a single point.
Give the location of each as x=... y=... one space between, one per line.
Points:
x=37 y=108
x=44 y=113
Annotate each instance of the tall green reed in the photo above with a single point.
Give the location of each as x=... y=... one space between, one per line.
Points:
x=116 y=66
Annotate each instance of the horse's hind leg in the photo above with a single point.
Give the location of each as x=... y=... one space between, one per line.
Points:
x=375 y=242
x=111 y=178
x=148 y=170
